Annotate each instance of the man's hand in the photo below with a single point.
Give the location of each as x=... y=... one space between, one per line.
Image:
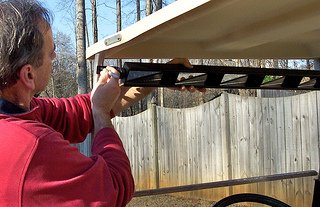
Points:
x=187 y=64
x=131 y=95
x=103 y=97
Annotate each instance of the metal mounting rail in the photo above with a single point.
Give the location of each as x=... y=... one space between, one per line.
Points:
x=169 y=75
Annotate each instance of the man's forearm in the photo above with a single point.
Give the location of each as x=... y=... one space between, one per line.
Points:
x=130 y=96
x=101 y=120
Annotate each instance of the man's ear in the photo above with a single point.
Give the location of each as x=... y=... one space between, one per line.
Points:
x=27 y=75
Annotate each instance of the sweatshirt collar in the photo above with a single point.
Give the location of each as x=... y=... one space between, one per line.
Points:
x=6 y=107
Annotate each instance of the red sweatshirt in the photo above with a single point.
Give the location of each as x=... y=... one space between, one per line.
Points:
x=40 y=168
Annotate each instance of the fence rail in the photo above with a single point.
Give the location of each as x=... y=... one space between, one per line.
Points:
x=218 y=184
x=231 y=137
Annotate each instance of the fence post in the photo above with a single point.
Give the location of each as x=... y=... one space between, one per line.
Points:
x=154 y=129
x=226 y=123
x=317 y=67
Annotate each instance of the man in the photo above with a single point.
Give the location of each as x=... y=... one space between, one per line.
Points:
x=38 y=165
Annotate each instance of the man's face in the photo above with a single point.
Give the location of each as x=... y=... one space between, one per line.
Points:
x=44 y=71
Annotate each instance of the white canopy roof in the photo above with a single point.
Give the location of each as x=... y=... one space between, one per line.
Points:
x=220 y=29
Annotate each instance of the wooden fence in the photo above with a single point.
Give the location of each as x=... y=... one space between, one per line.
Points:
x=230 y=137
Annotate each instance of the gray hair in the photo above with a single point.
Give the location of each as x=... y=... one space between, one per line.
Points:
x=21 y=39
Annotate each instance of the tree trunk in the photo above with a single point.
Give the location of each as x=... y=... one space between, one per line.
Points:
x=316 y=64
x=308 y=64
x=119 y=24
x=149 y=10
x=276 y=63
x=138 y=10
x=53 y=89
x=81 y=48
x=148 y=7
x=90 y=66
x=158 y=4
x=95 y=39
x=138 y=7
x=94 y=21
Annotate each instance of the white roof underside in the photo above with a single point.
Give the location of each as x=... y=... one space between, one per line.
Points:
x=220 y=29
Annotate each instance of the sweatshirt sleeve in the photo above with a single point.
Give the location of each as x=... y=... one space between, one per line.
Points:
x=71 y=117
x=58 y=175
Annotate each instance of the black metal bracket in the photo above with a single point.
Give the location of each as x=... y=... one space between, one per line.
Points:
x=316 y=193
x=203 y=76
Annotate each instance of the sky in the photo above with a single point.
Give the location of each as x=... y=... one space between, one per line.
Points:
x=63 y=22
x=61 y=19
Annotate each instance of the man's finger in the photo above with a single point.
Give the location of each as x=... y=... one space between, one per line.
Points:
x=113 y=72
x=183 y=61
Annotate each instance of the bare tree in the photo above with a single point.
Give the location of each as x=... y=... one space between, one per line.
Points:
x=69 y=15
x=81 y=47
x=138 y=10
x=158 y=5
x=94 y=21
x=148 y=7
x=95 y=38
x=63 y=79
x=119 y=23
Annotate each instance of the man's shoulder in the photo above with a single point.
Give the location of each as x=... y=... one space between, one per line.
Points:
x=24 y=128
x=20 y=139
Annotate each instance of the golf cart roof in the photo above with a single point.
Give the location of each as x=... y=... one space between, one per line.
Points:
x=220 y=29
